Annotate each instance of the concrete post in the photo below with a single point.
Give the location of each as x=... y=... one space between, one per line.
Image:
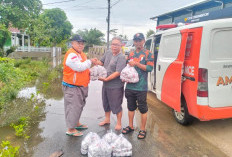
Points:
x=23 y=42
x=15 y=40
x=29 y=44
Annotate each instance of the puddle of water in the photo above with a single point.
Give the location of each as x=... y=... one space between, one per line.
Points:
x=27 y=92
x=24 y=106
x=24 y=103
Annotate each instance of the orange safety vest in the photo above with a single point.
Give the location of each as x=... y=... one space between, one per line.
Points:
x=73 y=77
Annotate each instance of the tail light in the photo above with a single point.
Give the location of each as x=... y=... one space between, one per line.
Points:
x=202 y=90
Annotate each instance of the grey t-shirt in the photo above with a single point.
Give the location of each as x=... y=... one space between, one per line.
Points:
x=113 y=64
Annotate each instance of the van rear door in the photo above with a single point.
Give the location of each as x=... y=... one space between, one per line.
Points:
x=169 y=67
x=220 y=69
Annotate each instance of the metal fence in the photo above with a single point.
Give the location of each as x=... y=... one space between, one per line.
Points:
x=97 y=51
x=30 y=49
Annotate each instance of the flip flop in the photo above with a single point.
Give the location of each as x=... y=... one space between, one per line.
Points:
x=80 y=127
x=74 y=134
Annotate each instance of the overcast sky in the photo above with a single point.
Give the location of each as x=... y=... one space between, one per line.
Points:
x=128 y=16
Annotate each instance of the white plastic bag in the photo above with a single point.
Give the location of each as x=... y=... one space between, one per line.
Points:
x=100 y=148
x=129 y=74
x=89 y=138
x=97 y=71
x=122 y=147
x=110 y=137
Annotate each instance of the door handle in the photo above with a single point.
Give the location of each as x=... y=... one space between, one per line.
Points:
x=189 y=78
x=159 y=67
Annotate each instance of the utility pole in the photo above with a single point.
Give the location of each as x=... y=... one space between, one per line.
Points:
x=108 y=24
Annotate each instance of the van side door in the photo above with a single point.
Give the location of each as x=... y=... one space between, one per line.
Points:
x=169 y=67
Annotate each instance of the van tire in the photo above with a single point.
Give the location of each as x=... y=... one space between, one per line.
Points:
x=183 y=117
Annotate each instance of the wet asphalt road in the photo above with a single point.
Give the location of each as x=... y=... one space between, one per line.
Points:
x=165 y=138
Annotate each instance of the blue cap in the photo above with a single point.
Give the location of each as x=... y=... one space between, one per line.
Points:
x=77 y=38
x=139 y=36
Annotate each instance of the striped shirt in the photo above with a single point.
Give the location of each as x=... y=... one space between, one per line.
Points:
x=144 y=57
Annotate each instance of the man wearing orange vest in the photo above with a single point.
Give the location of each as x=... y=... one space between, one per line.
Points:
x=75 y=84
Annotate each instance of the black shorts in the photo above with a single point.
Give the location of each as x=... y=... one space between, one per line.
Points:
x=133 y=97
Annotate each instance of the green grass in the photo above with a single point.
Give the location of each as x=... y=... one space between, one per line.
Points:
x=22 y=114
x=7 y=150
x=15 y=74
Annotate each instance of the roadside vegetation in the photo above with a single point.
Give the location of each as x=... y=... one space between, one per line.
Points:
x=15 y=74
x=46 y=28
x=21 y=114
x=7 y=150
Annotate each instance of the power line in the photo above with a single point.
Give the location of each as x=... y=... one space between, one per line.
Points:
x=84 y=9
x=115 y=3
x=89 y=7
x=83 y=3
x=108 y=24
x=59 y=2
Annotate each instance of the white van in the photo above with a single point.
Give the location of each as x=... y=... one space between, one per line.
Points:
x=193 y=70
x=129 y=47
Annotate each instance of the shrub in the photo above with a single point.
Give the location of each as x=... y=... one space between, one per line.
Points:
x=7 y=150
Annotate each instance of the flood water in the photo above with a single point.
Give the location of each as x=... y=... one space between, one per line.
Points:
x=165 y=138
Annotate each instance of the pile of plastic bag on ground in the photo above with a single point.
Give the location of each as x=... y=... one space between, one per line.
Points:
x=89 y=138
x=110 y=145
x=100 y=148
x=129 y=74
x=97 y=71
x=122 y=147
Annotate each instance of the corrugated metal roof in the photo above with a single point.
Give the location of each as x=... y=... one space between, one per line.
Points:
x=14 y=30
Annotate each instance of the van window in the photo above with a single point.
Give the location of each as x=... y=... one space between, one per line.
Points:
x=147 y=44
x=171 y=43
x=188 y=49
x=221 y=45
x=157 y=43
x=156 y=50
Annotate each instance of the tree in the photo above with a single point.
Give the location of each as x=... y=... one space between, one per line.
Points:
x=124 y=37
x=150 y=32
x=19 y=13
x=4 y=35
x=114 y=32
x=92 y=37
x=51 y=28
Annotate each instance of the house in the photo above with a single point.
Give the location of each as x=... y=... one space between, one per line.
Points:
x=18 y=38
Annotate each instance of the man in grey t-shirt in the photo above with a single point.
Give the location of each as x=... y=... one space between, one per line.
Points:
x=113 y=88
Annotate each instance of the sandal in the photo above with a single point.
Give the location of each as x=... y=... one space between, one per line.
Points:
x=142 y=134
x=81 y=127
x=76 y=134
x=127 y=130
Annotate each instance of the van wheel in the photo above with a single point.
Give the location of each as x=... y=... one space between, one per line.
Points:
x=183 y=116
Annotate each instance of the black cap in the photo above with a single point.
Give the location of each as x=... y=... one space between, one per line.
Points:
x=77 y=38
x=139 y=36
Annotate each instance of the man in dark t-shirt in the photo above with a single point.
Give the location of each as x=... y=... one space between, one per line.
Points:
x=136 y=93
